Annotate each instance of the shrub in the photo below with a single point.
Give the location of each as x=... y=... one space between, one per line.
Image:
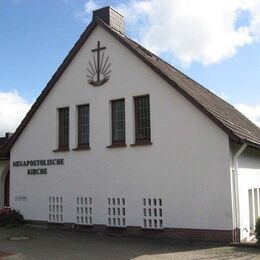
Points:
x=257 y=230
x=10 y=217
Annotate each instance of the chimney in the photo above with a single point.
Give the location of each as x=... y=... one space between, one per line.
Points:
x=110 y=17
x=8 y=135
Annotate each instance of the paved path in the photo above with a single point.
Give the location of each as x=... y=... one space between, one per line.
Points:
x=59 y=244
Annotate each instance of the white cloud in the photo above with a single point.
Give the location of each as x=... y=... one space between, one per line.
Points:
x=84 y=14
x=202 y=31
x=90 y=6
x=251 y=112
x=13 y=108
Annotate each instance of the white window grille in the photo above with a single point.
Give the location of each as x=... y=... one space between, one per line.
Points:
x=84 y=210
x=116 y=211
x=55 y=209
x=152 y=213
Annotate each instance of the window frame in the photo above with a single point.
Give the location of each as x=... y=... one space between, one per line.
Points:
x=82 y=146
x=146 y=140
x=114 y=142
x=63 y=147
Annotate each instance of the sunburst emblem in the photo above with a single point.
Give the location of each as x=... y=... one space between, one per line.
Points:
x=99 y=68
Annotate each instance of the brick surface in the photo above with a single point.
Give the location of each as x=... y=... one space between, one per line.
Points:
x=60 y=244
x=4 y=254
x=207 y=235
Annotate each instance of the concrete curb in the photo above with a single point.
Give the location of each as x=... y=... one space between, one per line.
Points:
x=245 y=245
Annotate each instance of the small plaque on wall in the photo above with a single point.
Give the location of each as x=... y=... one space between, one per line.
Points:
x=20 y=198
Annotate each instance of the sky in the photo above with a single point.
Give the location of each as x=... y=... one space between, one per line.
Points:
x=217 y=43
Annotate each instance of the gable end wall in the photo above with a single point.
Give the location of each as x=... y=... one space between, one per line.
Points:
x=187 y=165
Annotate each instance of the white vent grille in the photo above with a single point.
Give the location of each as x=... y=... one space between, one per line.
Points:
x=116 y=212
x=152 y=213
x=84 y=211
x=55 y=209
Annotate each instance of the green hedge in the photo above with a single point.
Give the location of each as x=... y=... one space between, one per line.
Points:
x=10 y=217
x=257 y=230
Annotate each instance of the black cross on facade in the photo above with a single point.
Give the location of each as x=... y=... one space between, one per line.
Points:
x=98 y=50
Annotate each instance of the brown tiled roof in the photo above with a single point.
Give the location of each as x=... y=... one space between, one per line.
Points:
x=236 y=125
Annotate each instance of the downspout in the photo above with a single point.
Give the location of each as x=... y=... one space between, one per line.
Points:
x=235 y=194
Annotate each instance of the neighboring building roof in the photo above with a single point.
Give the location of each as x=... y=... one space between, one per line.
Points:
x=3 y=143
x=239 y=128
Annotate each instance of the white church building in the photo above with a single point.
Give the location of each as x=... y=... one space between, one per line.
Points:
x=121 y=141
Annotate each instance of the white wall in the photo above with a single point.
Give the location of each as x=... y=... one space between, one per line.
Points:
x=3 y=164
x=187 y=165
x=248 y=177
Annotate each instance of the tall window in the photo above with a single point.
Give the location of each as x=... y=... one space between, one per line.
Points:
x=64 y=128
x=142 y=119
x=83 y=125
x=118 y=121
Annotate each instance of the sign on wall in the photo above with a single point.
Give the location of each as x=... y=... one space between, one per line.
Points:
x=35 y=163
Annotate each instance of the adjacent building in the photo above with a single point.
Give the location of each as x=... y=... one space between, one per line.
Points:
x=4 y=172
x=120 y=140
